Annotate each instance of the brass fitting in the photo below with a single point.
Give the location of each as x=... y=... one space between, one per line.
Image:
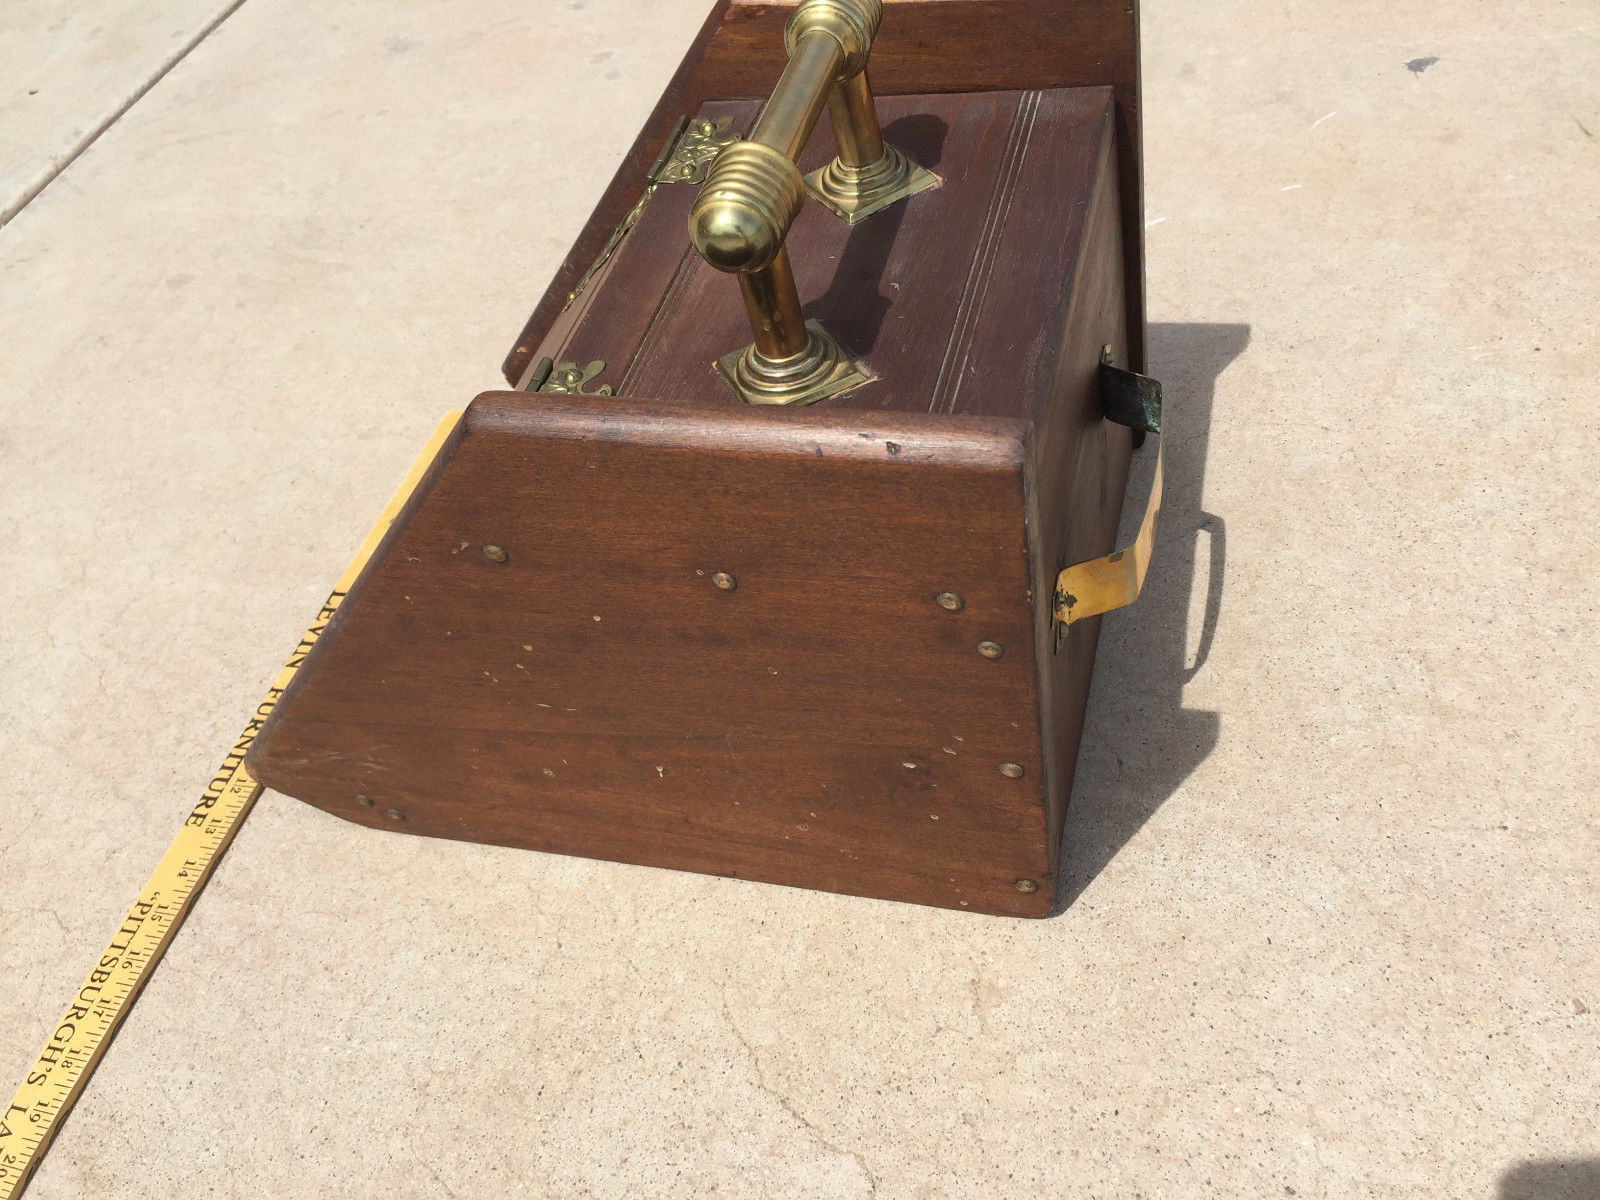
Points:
x=750 y=198
x=851 y=23
x=754 y=192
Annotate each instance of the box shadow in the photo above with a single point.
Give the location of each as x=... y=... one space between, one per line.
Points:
x=1139 y=742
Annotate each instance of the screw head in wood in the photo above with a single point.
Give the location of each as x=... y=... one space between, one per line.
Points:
x=1011 y=770
x=495 y=554
x=394 y=814
x=364 y=801
x=725 y=581
x=949 y=601
x=991 y=650
x=1026 y=885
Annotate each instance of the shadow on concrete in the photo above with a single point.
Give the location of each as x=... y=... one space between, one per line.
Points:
x=1552 y=1179
x=1139 y=742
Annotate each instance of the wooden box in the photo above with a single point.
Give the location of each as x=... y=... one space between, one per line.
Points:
x=641 y=620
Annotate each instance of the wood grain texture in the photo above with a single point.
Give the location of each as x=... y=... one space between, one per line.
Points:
x=1079 y=470
x=596 y=694
x=923 y=46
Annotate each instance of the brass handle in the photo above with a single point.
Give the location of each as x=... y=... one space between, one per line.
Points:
x=1100 y=585
x=754 y=192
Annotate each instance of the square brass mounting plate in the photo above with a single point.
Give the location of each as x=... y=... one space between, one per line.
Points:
x=846 y=373
x=854 y=211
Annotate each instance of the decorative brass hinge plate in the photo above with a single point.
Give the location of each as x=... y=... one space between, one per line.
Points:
x=692 y=149
x=567 y=378
x=687 y=156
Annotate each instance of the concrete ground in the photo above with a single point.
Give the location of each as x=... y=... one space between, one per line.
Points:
x=70 y=69
x=1334 y=846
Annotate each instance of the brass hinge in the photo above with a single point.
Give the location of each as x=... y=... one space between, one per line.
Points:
x=686 y=157
x=567 y=378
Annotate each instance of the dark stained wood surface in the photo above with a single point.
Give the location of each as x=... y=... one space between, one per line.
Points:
x=597 y=694
x=640 y=273
x=992 y=294
x=1079 y=471
x=954 y=298
x=923 y=46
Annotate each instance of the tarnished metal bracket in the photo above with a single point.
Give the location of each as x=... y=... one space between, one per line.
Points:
x=1088 y=589
x=1129 y=398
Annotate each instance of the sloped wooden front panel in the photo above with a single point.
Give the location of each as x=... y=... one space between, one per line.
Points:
x=597 y=694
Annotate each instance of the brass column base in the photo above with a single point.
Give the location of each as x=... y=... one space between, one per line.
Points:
x=820 y=370
x=855 y=193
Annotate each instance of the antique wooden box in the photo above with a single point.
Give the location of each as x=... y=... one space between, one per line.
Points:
x=631 y=614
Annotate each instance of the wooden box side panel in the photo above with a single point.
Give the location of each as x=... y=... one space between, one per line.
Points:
x=598 y=694
x=945 y=46
x=1078 y=468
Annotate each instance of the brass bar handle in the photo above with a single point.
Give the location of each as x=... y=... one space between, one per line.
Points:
x=754 y=192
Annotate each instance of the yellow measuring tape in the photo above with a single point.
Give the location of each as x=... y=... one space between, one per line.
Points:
x=57 y=1077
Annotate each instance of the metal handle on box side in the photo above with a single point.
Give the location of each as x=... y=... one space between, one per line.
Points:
x=1111 y=581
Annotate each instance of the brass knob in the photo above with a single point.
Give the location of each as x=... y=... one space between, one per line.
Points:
x=750 y=198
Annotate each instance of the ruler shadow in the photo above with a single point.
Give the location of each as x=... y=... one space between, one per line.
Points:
x=1139 y=742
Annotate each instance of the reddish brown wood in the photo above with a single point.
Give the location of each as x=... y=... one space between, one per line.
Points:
x=943 y=46
x=1082 y=467
x=597 y=694
x=923 y=46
